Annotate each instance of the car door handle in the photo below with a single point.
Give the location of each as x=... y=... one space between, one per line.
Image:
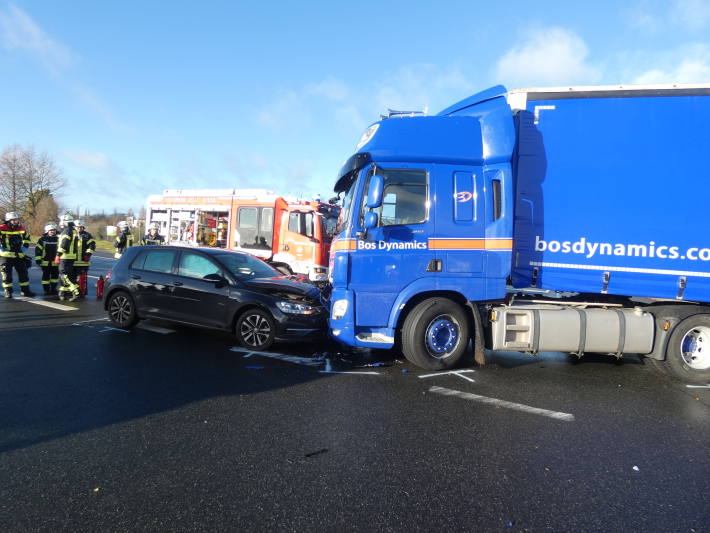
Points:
x=177 y=283
x=135 y=277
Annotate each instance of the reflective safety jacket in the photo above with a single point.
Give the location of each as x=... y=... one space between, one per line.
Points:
x=123 y=240
x=148 y=240
x=14 y=241
x=46 y=250
x=85 y=247
x=68 y=244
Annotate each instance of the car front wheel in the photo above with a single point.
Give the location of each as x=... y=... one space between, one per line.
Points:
x=256 y=329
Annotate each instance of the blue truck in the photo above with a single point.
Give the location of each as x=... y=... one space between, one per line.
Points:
x=555 y=219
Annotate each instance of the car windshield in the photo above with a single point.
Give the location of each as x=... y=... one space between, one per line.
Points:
x=245 y=266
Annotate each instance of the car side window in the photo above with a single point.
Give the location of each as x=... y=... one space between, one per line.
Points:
x=196 y=266
x=155 y=261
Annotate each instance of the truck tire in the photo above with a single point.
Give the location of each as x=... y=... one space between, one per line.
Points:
x=435 y=334
x=688 y=351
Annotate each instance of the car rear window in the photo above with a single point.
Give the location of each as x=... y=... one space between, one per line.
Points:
x=155 y=261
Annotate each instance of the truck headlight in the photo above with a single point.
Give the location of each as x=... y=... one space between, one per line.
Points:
x=293 y=308
x=340 y=307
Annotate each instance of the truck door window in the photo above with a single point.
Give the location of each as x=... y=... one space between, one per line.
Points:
x=307 y=228
x=293 y=222
x=255 y=226
x=404 y=198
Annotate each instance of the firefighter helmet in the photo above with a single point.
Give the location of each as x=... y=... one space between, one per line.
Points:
x=122 y=225
x=11 y=215
x=155 y=226
x=50 y=226
x=79 y=223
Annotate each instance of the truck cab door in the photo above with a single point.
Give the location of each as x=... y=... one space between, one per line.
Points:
x=458 y=239
x=395 y=253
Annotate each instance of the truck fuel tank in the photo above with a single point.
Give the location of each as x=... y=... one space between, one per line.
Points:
x=555 y=328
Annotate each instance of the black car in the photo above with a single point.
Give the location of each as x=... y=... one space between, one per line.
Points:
x=213 y=288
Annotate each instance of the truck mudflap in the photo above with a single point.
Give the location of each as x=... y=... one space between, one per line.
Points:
x=550 y=328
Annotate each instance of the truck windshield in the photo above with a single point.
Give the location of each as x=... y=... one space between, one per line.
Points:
x=347 y=207
x=329 y=227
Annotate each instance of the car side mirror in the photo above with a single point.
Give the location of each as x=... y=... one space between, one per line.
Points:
x=219 y=281
x=374 y=191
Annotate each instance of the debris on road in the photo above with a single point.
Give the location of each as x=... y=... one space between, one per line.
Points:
x=318 y=452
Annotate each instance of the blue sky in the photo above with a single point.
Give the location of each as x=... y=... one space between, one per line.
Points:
x=133 y=97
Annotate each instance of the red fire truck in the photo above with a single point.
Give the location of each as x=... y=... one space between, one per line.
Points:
x=293 y=235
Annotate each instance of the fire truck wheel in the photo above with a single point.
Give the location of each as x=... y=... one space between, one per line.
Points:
x=688 y=351
x=122 y=310
x=255 y=329
x=435 y=334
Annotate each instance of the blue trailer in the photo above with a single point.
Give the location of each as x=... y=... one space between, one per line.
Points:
x=557 y=219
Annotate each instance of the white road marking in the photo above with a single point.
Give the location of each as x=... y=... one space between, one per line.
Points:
x=458 y=373
x=53 y=305
x=87 y=321
x=289 y=358
x=155 y=329
x=565 y=417
x=347 y=372
x=698 y=386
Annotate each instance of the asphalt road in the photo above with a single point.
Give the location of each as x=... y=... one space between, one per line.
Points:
x=168 y=428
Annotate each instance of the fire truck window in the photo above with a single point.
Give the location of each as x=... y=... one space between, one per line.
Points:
x=267 y=220
x=293 y=222
x=248 y=227
x=266 y=228
x=308 y=224
x=247 y=217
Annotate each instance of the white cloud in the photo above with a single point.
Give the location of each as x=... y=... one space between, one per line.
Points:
x=295 y=109
x=20 y=32
x=549 y=56
x=690 y=14
x=419 y=86
x=687 y=64
x=90 y=160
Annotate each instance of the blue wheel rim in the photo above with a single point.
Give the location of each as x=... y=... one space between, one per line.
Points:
x=442 y=336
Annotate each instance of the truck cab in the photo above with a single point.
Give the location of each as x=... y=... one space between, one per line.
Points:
x=426 y=227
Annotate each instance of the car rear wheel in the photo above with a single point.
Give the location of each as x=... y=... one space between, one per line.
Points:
x=256 y=329
x=122 y=310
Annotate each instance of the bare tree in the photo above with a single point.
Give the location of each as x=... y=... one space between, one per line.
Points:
x=41 y=178
x=27 y=178
x=47 y=210
x=11 y=175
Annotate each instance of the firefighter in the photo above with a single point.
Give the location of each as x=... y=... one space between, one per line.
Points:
x=153 y=237
x=86 y=247
x=67 y=250
x=14 y=241
x=45 y=252
x=124 y=239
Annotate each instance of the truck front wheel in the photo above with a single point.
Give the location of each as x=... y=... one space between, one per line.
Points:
x=435 y=334
x=688 y=351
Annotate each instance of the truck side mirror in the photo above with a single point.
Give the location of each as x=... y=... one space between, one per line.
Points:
x=370 y=220
x=374 y=191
